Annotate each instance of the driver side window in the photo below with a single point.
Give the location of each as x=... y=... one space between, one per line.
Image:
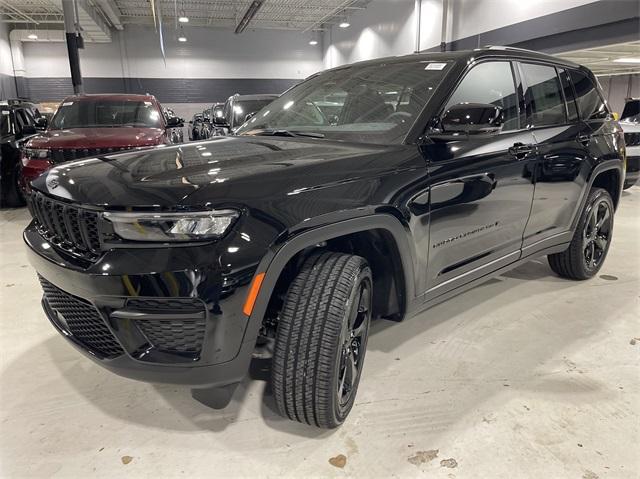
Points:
x=490 y=83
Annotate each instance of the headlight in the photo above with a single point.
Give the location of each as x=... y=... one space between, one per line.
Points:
x=36 y=153
x=201 y=225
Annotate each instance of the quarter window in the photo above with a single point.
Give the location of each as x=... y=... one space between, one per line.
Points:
x=543 y=99
x=590 y=102
x=490 y=83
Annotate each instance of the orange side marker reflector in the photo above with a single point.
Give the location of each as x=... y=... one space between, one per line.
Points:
x=253 y=294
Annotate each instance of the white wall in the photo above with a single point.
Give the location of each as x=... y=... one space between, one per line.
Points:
x=388 y=27
x=209 y=53
x=6 y=67
x=471 y=17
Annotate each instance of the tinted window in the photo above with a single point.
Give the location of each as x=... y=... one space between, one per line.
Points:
x=490 y=83
x=572 y=109
x=631 y=111
x=109 y=113
x=590 y=103
x=242 y=108
x=23 y=118
x=370 y=103
x=543 y=98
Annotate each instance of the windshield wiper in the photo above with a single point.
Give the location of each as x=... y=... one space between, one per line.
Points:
x=281 y=132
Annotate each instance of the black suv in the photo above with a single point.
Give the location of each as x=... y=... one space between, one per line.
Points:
x=19 y=121
x=435 y=172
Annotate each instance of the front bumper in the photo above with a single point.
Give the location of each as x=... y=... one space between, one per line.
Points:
x=151 y=335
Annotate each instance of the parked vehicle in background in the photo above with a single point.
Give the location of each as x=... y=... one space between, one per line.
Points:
x=630 y=123
x=208 y=128
x=238 y=109
x=93 y=125
x=438 y=171
x=17 y=125
x=195 y=126
x=176 y=133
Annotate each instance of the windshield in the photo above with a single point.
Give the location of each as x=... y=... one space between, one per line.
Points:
x=362 y=103
x=242 y=108
x=106 y=113
x=631 y=112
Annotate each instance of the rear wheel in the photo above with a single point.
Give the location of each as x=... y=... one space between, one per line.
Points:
x=591 y=240
x=322 y=338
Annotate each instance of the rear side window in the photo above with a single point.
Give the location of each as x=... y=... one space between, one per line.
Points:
x=5 y=122
x=590 y=103
x=543 y=97
x=572 y=109
x=490 y=83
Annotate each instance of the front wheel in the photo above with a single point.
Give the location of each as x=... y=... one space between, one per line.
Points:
x=321 y=339
x=590 y=244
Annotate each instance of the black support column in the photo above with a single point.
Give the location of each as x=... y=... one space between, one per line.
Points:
x=73 y=43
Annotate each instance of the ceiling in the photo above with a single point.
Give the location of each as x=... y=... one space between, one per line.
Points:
x=601 y=59
x=301 y=15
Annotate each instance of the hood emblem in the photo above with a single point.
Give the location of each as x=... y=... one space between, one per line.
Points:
x=53 y=183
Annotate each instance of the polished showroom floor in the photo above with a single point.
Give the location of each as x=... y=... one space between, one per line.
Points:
x=527 y=375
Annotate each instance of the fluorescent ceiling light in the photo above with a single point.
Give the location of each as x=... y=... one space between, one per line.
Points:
x=627 y=60
x=183 y=19
x=344 y=25
x=32 y=36
x=182 y=39
x=313 y=42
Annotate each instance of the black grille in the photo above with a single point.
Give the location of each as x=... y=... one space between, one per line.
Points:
x=632 y=139
x=82 y=321
x=58 y=155
x=72 y=229
x=172 y=335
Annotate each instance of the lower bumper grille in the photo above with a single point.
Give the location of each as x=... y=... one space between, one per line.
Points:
x=82 y=320
x=172 y=335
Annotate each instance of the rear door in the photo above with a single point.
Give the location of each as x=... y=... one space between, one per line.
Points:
x=563 y=155
x=482 y=185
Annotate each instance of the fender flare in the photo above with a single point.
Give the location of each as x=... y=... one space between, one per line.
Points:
x=276 y=259
x=597 y=170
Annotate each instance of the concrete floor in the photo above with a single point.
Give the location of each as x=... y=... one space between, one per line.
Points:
x=526 y=376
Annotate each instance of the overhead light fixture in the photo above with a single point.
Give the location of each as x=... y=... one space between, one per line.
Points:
x=32 y=36
x=182 y=38
x=183 y=19
x=627 y=60
x=313 y=42
x=249 y=14
x=344 y=25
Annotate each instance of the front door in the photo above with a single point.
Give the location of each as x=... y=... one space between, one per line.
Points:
x=481 y=186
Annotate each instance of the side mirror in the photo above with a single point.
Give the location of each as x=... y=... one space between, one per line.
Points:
x=472 y=119
x=28 y=130
x=41 y=123
x=174 y=122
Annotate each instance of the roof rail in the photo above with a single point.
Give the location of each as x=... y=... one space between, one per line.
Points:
x=501 y=47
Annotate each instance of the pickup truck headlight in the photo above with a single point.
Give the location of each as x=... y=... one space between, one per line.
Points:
x=35 y=154
x=192 y=226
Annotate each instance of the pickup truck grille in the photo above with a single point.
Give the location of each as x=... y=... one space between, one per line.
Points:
x=72 y=229
x=58 y=155
x=632 y=139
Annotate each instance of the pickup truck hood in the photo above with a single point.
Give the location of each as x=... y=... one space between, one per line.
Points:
x=97 y=138
x=226 y=170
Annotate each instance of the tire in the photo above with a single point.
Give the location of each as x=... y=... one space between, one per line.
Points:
x=12 y=195
x=322 y=329
x=588 y=248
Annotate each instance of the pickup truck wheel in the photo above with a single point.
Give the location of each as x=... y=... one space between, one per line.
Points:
x=591 y=240
x=322 y=338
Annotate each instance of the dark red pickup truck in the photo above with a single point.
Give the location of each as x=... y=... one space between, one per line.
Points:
x=91 y=125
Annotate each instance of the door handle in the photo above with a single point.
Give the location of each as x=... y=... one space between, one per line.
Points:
x=584 y=140
x=521 y=151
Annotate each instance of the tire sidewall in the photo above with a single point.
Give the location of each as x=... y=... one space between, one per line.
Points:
x=341 y=413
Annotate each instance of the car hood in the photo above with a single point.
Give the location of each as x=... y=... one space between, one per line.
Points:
x=226 y=170
x=97 y=138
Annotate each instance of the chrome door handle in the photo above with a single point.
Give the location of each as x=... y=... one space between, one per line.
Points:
x=521 y=151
